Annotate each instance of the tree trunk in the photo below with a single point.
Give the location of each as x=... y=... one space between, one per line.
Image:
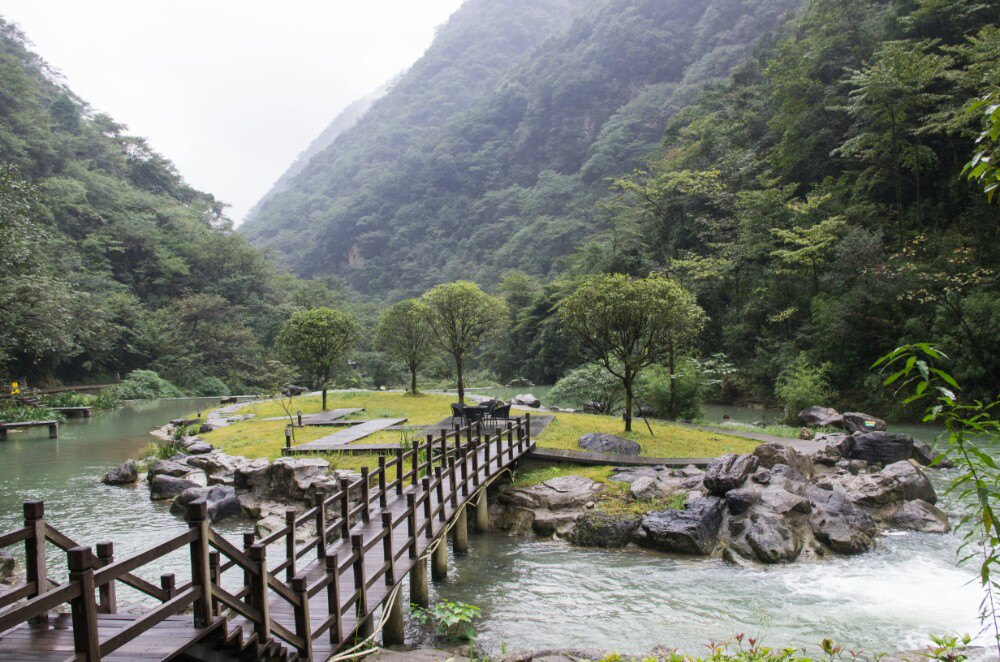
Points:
x=628 y=405
x=413 y=379
x=673 y=386
x=461 y=383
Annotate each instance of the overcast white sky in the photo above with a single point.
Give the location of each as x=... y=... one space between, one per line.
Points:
x=229 y=90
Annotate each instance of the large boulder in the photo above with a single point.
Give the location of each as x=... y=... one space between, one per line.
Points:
x=925 y=455
x=765 y=537
x=125 y=473
x=220 y=499
x=818 y=417
x=599 y=529
x=694 y=530
x=526 y=400
x=566 y=492
x=728 y=472
x=600 y=442
x=167 y=487
x=287 y=478
x=918 y=515
x=837 y=523
x=893 y=485
x=167 y=468
x=855 y=421
x=772 y=453
x=645 y=488
x=881 y=447
x=7 y=566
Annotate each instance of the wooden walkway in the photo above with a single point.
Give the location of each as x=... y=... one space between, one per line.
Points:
x=53 y=427
x=332 y=417
x=340 y=438
x=319 y=597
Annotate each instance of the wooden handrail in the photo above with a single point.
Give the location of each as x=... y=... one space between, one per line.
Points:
x=16 y=536
x=173 y=606
x=119 y=568
x=38 y=605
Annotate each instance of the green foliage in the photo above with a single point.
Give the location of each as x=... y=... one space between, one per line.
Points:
x=460 y=316
x=318 y=341
x=145 y=385
x=983 y=168
x=803 y=384
x=628 y=324
x=207 y=385
x=404 y=334
x=973 y=434
x=589 y=385
x=454 y=621
x=15 y=413
x=688 y=390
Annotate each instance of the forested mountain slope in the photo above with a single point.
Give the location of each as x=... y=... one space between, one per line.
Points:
x=468 y=56
x=108 y=260
x=511 y=183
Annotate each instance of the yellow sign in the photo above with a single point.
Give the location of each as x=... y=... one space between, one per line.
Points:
x=15 y=388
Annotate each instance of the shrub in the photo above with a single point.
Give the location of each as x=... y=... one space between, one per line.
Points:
x=451 y=620
x=688 y=390
x=209 y=385
x=15 y=413
x=145 y=385
x=588 y=383
x=802 y=384
x=68 y=399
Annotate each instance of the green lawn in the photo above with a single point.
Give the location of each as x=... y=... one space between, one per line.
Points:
x=257 y=438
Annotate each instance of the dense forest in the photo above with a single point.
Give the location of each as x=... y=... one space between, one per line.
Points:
x=109 y=261
x=799 y=169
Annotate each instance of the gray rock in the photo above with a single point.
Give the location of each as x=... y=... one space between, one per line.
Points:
x=818 y=417
x=772 y=453
x=855 y=421
x=837 y=523
x=287 y=478
x=728 y=472
x=645 y=488
x=762 y=476
x=7 y=566
x=841 y=442
x=168 y=487
x=526 y=400
x=598 y=529
x=918 y=515
x=926 y=455
x=220 y=499
x=896 y=483
x=694 y=530
x=198 y=448
x=600 y=442
x=125 y=473
x=882 y=447
x=765 y=537
x=167 y=468
x=739 y=500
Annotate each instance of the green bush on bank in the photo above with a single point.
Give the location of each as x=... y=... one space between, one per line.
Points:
x=145 y=385
x=803 y=384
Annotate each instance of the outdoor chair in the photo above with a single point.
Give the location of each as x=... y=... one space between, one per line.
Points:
x=457 y=411
x=500 y=410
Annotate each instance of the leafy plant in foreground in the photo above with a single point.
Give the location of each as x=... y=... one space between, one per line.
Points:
x=451 y=620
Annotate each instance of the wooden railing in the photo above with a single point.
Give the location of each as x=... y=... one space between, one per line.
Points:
x=421 y=482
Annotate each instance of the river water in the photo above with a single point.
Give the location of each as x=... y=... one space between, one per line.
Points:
x=536 y=594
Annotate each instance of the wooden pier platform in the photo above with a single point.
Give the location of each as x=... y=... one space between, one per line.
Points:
x=339 y=439
x=85 y=412
x=53 y=427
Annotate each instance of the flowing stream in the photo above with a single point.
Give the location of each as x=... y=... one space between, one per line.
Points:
x=543 y=594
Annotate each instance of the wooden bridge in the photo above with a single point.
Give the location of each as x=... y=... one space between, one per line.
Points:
x=319 y=597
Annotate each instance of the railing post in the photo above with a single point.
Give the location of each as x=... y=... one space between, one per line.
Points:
x=527 y=427
x=333 y=598
x=465 y=471
x=248 y=541
x=300 y=586
x=399 y=471
x=415 y=465
x=197 y=517
x=365 y=513
x=382 y=500
x=258 y=589
x=411 y=524
x=390 y=575
x=499 y=450
x=345 y=508
x=169 y=585
x=429 y=531
x=444 y=448
x=290 y=544
x=510 y=441
x=83 y=608
x=320 y=499
x=364 y=622
x=475 y=463
x=453 y=482
x=439 y=479
x=430 y=453
x=215 y=567
x=486 y=455
x=468 y=433
x=34 y=552
x=107 y=598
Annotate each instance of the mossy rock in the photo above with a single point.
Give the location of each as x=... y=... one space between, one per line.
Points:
x=600 y=529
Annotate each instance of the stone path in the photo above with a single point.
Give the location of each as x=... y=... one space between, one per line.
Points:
x=341 y=438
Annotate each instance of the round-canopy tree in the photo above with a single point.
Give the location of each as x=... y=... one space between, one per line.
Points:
x=405 y=335
x=626 y=324
x=316 y=340
x=460 y=315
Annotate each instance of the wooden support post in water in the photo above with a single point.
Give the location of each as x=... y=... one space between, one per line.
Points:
x=320 y=500
x=460 y=532
x=197 y=517
x=482 y=513
x=34 y=553
x=333 y=598
x=107 y=600
x=439 y=561
x=54 y=431
x=290 y=543
x=392 y=631
x=365 y=626
x=84 y=607
x=258 y=591
x=420 y=592
x=300 y=587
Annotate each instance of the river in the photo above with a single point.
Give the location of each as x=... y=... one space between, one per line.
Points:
x=533 y=593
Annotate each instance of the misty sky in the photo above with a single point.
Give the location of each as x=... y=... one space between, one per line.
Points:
x=229 y=90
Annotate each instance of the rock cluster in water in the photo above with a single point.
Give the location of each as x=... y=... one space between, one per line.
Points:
x=773 y=505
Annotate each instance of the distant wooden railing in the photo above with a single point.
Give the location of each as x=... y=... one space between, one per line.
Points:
x=448 y=466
